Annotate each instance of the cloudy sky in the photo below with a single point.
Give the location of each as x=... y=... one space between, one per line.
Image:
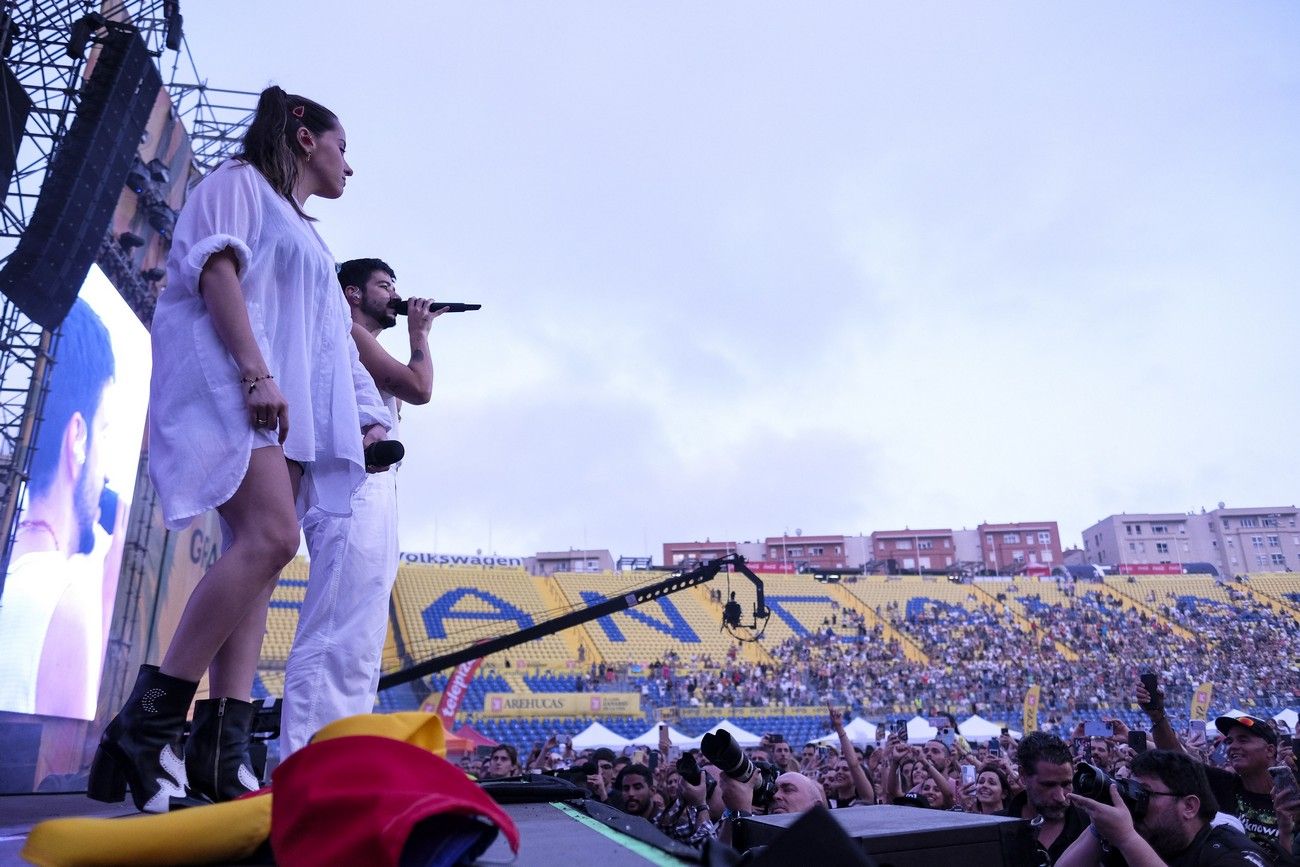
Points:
x=748 y=267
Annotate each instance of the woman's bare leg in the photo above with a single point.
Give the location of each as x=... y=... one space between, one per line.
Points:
x=264 y=530
x=233 y=668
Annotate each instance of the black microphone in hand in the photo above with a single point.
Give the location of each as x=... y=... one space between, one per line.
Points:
x=384 y=453
x=401 y=307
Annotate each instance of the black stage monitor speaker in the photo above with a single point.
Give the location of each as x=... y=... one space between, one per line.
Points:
x=914 y=837
x=83 y=182
x=13 y=120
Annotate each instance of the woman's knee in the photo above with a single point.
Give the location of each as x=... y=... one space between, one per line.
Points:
x=272 y=543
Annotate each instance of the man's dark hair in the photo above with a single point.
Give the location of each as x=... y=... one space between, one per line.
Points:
x=633 y=771
x=603 y=754
x=1041 y=747
x=355 y=272
x=83 y=365
x=508 y=750
x=1181 y=774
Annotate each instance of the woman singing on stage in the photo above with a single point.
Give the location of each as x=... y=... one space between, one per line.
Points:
x=259 y=408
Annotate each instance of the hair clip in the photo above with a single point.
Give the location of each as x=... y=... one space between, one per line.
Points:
x=299 y=111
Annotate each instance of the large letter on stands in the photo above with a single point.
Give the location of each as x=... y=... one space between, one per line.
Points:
x=441 y=609
x=675 y=626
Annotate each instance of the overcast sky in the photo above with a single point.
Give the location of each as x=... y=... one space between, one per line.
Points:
x=748 y=267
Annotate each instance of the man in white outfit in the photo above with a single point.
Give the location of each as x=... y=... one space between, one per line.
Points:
x=333 y=667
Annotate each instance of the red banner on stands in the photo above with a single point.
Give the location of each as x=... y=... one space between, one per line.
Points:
x=1149 y=569
x=457 y=686
x=771 y=566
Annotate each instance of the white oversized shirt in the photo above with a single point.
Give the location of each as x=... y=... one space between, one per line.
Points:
x=200 y=431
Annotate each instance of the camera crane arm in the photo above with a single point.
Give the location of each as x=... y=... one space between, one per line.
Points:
x=681 y=581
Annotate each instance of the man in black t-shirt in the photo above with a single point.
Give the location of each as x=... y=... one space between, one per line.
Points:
x=1173 y=828
x=1244 y=791
x=1047 y=773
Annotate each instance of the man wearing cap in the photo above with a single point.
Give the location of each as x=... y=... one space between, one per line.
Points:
x=1244 y=791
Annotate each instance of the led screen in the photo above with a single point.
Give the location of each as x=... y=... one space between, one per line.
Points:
x=59 y=591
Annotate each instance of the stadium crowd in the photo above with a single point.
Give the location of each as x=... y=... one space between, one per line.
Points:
x=983 y=658
x=1226 y=802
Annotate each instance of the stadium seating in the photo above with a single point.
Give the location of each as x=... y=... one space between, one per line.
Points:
x=436 y=609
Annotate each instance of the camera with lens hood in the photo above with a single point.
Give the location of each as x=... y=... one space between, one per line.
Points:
x=722 y=749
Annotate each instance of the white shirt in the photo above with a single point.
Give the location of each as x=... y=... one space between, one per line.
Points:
x=38 y=583
x=200 y=432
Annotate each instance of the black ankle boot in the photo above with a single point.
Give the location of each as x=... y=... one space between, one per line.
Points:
x=216 y=755
x=141 y=746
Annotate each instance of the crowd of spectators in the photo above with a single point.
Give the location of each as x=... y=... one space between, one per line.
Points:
x=1085 y=654
x=983 y=657
x=1030 y=778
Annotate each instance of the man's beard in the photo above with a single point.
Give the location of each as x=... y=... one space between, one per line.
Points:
x=85 y=508
x=1165 y=840
x=383 y=315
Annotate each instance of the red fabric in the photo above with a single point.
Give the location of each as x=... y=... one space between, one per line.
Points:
x=355 y=799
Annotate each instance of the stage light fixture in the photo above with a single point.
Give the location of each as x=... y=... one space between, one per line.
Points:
x=173 y=25
x=161 y=217
x=129 y=241
x=83 y=30
x=153 y=275
x=137 y=177
x=159 y=172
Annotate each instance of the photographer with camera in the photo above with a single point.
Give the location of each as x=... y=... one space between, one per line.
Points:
x=1160 y=816
x=1245 y=791
x=1047 y=773
x=687 y=816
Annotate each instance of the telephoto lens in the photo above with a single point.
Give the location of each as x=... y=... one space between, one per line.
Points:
x=721 y=749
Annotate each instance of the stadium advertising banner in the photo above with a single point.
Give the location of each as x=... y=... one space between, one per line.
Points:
x=1200 y=709
x=772 y=567
x=454 y=692
x=1030 y=717
x=1149 y=569
x=562 y=704
x=428 y=558
x=61 y=586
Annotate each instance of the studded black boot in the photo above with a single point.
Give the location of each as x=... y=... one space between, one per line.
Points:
x=141 y=746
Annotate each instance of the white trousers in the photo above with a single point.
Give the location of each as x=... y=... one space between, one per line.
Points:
x=333 y=667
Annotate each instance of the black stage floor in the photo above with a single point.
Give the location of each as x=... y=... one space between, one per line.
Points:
x=548 y=833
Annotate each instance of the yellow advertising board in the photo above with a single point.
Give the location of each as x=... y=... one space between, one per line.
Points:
x=562 y=704
x=1030 y=722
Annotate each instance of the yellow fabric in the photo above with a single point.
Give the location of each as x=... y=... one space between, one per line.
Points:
x=419 y=729
x=218 y=833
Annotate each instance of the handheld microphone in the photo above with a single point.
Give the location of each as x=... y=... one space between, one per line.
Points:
x=384 y=453
x=400 y=307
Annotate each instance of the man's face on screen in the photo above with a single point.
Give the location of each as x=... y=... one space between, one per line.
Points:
x=90 y=480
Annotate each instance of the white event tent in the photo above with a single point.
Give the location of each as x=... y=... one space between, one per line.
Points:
x=739 y=735
x=596 y=735
x=676 y=738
